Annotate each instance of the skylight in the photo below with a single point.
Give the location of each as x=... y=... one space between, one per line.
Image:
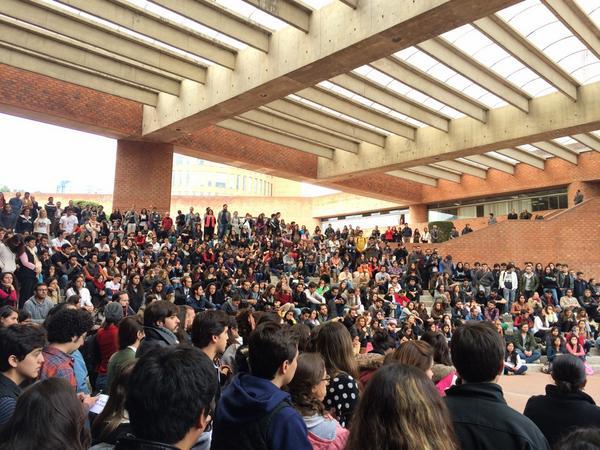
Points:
x=106 y=24
x=535 y=151
x=337 y=114
x=394 y=85
x=572 y=144
x=253 y=14
x=485 y=51
x=369 y=103
x=432 y=66
x=544 y=30
x=184 y=21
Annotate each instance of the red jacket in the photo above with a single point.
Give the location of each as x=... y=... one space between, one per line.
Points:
x=108 y=343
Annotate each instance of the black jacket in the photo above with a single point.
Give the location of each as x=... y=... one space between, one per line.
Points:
x=483 y=420
x=556 y=413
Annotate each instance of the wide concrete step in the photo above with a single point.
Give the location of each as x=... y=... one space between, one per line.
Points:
x=591 y=359
x=537 y=367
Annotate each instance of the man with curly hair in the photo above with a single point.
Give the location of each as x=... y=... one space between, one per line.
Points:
x=67 y=330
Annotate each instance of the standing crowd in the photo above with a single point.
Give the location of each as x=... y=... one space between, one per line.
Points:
x=139 y=330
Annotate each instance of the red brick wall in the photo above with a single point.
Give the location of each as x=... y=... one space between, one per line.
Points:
x=46 y=99
x=143 y=175
x=571 y=236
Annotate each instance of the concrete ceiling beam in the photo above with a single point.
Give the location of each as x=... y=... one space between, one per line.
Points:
x=550 y=117
x=431 y=86
x=557 y=150
x=78 y=27
x=340 y=39
x=292 y=13
x=449 y=55
x=140 y=20
x=463 y=168
x=207 y=13
x=311 y=115
x=362 y=86
x=411 y=176
x=524 y=157
x=275 y=137
x=27 y=60
x=518 y=46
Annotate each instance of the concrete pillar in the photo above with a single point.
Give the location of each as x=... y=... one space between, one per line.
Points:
x=417 y=214
x=143 y=175
x=589 y=189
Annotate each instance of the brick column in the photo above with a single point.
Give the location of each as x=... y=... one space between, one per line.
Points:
x=143 y=175
x=589 y=189
x=417 y=214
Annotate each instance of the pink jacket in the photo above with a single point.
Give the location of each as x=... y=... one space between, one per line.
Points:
x=338 y=443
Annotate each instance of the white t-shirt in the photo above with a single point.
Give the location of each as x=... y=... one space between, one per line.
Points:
x=41 y=225
x=68 y=223
x=84 y=295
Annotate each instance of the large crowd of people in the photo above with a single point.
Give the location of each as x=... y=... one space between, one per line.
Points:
x=138 y=330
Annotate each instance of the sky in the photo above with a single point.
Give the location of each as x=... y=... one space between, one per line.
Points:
x=86 y=160
x=55 y=154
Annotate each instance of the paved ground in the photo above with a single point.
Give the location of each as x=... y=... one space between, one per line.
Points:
x=518 y=389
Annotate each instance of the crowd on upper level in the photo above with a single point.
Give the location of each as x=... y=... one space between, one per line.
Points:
x=101 y=289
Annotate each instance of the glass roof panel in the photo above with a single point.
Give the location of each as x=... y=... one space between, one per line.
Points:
x=572 y=144
x=339 y=115
x=534 y=150
x=253 y=14
x=188 y=23
x=485 y=51
x=396 y=86
x=472 y=163
x=445 y=74
x=502 y=157
x=317 y=4
x=370 y=103
x=192 y=57
x=545 y=31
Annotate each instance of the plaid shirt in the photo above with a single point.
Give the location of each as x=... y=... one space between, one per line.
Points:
x=58 y=364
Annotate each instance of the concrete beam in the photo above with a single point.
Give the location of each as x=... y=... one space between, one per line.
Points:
x=27 y=60
x=209 y=14
x=510 y=40
x=463 y=168
x=85 y=30
x=276 y=137
x=451 y=56
x=289 y=12
x=340 y=40
x=523 y=157
x=411 y=176
x=434 y=172
x=351 y=3
x=551 y=116
x=493 y=163
x=576 y=20
x=272 y=120
x=589 y=140
x=310 y=115
x=358 y=111
x=557 y=150
x=40 y=41
x=431 y=86
x=362 y=86
x=142 y=21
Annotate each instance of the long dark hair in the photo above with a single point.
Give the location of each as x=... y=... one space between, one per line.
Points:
x=29 y=427
x=401 y=409
x=309 y=373
x=334 y=343
x=114 y=410
x=441 y=350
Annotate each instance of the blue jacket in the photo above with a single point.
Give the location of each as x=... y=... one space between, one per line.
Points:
x=247 y=399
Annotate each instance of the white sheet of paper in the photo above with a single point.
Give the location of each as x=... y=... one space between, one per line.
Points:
x=100 y=404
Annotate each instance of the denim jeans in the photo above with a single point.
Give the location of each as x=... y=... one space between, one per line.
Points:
x=509 y=295
x=535 y=355
x=519 y=371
